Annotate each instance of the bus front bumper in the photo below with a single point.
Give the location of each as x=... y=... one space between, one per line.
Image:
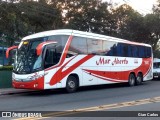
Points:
x=37 y=84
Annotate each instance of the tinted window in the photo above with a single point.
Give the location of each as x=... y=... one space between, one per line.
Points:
x=120 y=50
x=148 y=52
x=52 y=56
x=95 y=46
x=126 y=50
x=61 y=41
x=141 y=52
x=78 y=46
x=134 y=51
x=54 y=51
x=109 y=48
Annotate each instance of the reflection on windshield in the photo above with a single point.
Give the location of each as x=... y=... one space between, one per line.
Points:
x=26 y=60
x=38 y=63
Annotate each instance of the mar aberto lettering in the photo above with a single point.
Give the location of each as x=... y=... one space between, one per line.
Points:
x=103 y=61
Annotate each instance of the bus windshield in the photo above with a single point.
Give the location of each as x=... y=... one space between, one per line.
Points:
x=26 y=59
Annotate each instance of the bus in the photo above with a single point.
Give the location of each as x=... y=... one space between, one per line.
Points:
x=70 y=59
x=3 y=59
x=156 y=68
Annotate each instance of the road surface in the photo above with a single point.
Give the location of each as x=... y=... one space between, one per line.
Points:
x=117 y=97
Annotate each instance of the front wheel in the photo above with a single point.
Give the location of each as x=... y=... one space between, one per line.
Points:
x=71 y=84
x=131 y=80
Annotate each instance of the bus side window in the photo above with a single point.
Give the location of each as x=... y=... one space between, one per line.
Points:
x=77 y=46
x=130 y=54
x=140 y=53
x=120 y=49
x=95 y=46
x=125 y=50
x=134 y=51
x=148 y=52
x=51 y=57
x=48 y=59
x=110 y=48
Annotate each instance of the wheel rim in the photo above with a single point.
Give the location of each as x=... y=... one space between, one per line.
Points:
x=132 y=80
x=71 y=84
x=139 y=79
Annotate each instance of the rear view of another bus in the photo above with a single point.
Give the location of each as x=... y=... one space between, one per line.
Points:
x=3 y=59
x=156 y=68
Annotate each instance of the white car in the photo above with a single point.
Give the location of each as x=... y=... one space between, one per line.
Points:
x=156 y=68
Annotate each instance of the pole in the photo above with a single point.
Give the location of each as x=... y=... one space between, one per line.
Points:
x=3 y=57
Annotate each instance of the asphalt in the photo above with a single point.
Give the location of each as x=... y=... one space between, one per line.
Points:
x=6 y=91
x=85 y=98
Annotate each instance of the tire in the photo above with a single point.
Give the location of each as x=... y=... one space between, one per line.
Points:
x=139 y=79
x=71 y=84
x=131 y=80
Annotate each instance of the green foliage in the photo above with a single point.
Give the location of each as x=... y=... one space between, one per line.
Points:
x=133 y=26
x=152 y=26
x=129 y=24
x=87 y=15
x=18 y=19
x=156 y=54
x=4 y=68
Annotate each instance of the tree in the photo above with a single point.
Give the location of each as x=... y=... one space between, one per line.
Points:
x=9 y=22
x=41 y=16
x=128 y=23
x=152 y=25
x=85 y=15
x=20 y=19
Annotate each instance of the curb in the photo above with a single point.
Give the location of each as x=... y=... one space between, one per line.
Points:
x=10 y=91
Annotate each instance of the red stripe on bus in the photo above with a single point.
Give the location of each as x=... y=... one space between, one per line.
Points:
x=63 y=55
x=120 y=75
x=60 y=74
x=108 y=79
x=40 y=46
x=9 y=49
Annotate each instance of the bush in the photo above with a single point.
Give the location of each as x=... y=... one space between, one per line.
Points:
x=2 y=68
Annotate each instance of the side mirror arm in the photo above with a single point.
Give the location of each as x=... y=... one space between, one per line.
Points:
x=9 y=49
x=41 y=46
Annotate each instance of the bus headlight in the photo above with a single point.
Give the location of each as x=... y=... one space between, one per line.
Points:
x=35 y=76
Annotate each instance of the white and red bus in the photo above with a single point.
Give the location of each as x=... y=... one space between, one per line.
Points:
x=70 y=59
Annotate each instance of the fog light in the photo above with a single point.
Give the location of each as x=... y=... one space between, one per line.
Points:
x=35 y=85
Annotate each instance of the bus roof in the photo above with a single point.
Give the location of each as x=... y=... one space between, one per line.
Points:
x=81 y=34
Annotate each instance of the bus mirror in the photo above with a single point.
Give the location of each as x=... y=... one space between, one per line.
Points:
x=41 y=45
x=9 y=49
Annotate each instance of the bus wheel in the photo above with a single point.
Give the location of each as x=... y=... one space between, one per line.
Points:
x=139 y=79
x=131 y=79
x=72 y=84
